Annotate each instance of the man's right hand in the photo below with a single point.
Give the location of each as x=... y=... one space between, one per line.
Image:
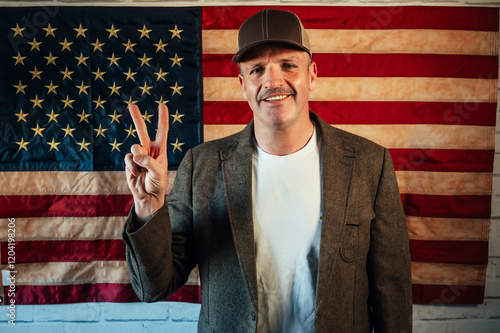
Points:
x=147 y=166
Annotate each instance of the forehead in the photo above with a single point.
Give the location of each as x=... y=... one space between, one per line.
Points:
x=281 y=51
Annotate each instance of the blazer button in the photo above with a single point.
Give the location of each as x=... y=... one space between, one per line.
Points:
x=253 y=316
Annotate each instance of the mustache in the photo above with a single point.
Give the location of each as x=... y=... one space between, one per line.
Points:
x=280 y=90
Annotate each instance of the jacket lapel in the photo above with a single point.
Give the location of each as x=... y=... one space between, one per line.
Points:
x=337 y=163
x=236 y=161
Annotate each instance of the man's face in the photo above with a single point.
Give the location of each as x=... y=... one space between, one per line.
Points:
x=276 y=82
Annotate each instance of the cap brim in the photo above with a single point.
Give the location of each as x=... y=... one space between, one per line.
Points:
x=238 y=57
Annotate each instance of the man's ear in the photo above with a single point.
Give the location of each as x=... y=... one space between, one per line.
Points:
x=242 y=85
x=313 y=75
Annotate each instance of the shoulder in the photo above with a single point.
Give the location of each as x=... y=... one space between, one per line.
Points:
x=237 y=143
x=339 y=139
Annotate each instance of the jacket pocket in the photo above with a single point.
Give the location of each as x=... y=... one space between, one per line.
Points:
x=356 y=234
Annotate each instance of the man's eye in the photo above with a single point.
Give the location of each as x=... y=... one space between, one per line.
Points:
x=289 y=66
x=256 y=71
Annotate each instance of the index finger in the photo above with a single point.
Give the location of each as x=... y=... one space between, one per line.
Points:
x=162 y=133
x=140 y=126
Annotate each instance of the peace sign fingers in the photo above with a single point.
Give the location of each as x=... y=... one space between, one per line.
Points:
x=162 y=133
x=140 y=126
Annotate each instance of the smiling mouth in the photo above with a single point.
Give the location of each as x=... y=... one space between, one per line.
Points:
x=275 y=98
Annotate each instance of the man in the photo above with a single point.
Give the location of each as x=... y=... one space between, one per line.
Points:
x=295 y=226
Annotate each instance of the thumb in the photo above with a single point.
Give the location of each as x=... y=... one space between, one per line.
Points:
x=147 y=162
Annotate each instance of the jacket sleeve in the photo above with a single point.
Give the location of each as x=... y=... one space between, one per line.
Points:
x=160 y=255
x=389 y=263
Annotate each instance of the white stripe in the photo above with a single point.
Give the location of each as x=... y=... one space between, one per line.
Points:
x=426 y=41
x=382 y=89
x=400 y=136
x=67 y=183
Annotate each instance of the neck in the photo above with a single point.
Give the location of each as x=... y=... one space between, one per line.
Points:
x=281 y=142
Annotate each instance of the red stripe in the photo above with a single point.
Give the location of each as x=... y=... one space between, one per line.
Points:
x=64 y=205
x=66 y=250
x=82 y=293
x=323 y=17
x=447 y=294
x=443 y=160
x=333 y=112
x=455 y=252
x=378 y=65
x=463 y=206
x=469 y=252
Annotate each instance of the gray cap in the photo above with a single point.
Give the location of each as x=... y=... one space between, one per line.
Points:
x=271 y=26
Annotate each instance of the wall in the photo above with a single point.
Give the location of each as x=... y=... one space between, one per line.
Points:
x=180 y=317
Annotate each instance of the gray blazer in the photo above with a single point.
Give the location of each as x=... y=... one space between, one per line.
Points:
x=364 y=278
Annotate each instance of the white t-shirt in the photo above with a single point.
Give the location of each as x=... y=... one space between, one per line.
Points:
x=287 y=209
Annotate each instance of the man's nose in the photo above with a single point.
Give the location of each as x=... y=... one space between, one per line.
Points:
x=273 y=77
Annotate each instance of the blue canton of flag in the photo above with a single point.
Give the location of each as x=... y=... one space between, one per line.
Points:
x=67 y=76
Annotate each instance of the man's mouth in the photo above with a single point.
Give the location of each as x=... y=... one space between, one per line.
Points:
x=275 y=98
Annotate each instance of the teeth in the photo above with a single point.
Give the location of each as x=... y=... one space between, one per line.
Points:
x=276 y=98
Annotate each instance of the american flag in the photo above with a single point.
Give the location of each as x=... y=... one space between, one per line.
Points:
x=67 y=78
x=421 y=81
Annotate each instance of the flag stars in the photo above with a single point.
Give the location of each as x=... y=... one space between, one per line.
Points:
x=145 y=60
x=21 y=116
x=53 y=144
x=80 y=31
x=177 y=89
x=113 y=60
x=130 y=75
x=83 y=116
x=18 y=30
x=67 y=74
x=36 y=102
x=115 y=145
x=36 y=74
x=52 y=88
x=53 y=116
x=160 y=46
x=68 y=131
x=49 y=31
x=82 y=88
x=115 y=117
x=161 y=101
x=23 y=144
x=147 y=117
x=177 y=145
x=51 y=59
x=177 y=117
x=97 y=45
x=145 y=89
x=19 y=59
x=129 y=46
x=83 y=145
x=176 y=32
x=131 y=131
x=144 y=32
x=35 y=45
x=66 y=45
x=176 y=60
x=20 y=88
x=100 y=131
x=130 y=102
x=113 y=32
x=114 y=89
x=38 y=130
x=68 y=102
x=99 y=103
x=161 y=75
x=98 y=74
x=81 y=59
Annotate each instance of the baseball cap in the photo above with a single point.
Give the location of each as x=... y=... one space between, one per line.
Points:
x=271 y=26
